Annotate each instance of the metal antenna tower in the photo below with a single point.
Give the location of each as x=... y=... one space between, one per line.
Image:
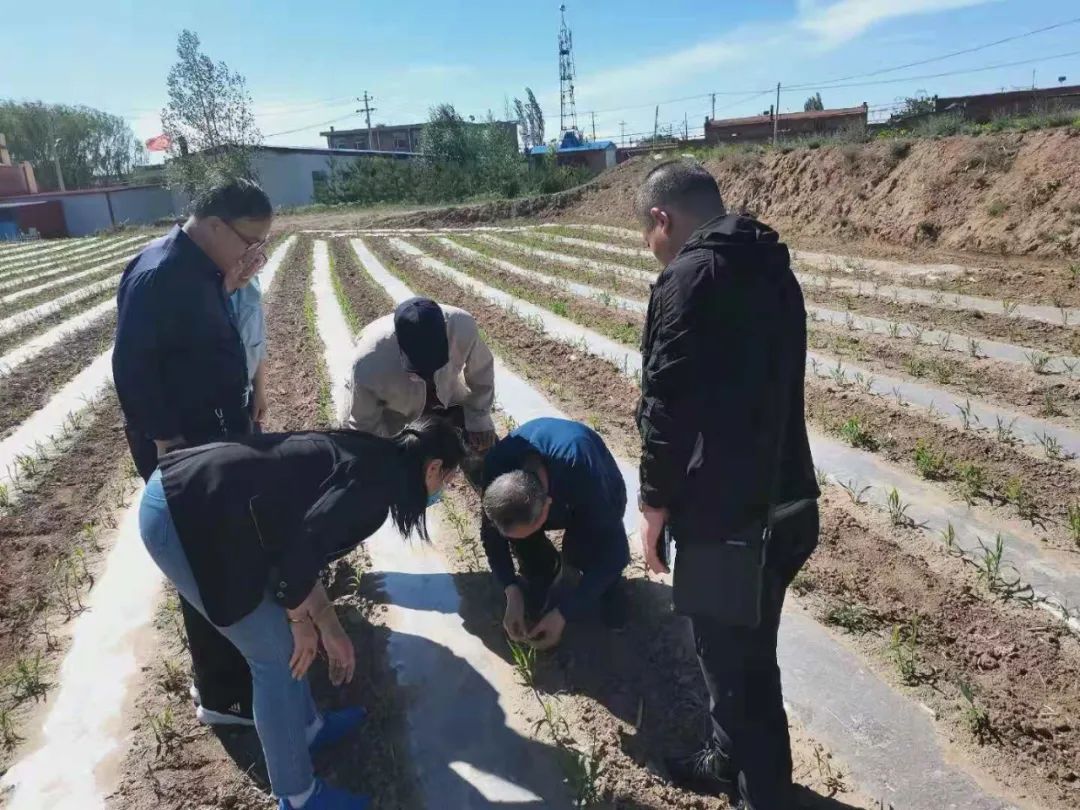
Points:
x=567 y=107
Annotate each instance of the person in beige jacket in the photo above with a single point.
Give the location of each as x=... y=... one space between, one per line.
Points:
x=422 y=358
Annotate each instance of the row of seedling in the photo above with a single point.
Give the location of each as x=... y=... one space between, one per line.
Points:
x=580 y=764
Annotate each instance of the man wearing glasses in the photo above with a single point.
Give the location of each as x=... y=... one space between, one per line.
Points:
x=182 y=371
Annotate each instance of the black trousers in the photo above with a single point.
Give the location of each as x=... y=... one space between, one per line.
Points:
x=746 y=705
x=220 y=672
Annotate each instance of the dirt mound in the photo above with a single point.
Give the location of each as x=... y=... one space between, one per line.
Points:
x=1002 y=194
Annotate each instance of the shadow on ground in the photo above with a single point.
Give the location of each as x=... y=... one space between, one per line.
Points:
x=645 y=676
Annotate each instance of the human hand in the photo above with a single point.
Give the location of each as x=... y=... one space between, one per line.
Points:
x=651 y=528
x=305 y=645
x=480 y=441
x=260 y=407
x=548 y=630
x=514 y=618
x=339 y=651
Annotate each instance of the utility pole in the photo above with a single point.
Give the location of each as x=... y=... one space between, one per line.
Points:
x=713 y=106
x=622 y=132
x=685 y=128
x=367 y=110
x=656 y=123
x=593 y=125
x=776 y=118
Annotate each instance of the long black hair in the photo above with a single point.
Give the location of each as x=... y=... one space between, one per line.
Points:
x=423 y=441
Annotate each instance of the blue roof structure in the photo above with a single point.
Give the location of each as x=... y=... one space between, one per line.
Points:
x=572 y=143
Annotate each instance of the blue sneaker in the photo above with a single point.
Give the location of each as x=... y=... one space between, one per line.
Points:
x=336 y=726
x=329 y=798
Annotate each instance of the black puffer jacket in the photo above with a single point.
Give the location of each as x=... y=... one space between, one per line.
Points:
x=723 y=361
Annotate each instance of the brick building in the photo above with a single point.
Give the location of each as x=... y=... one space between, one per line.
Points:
x=759 y=128
x=983 y=107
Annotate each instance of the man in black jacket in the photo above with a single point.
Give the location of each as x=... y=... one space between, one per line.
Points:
x=180 y=369
x=723 y=438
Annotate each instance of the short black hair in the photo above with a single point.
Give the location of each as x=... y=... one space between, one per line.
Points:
x=683 y=184
x=236 y=198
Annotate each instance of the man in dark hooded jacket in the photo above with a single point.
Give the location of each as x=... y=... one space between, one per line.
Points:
x=723 y=439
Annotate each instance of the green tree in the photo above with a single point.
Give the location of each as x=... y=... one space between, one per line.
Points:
x=915 y=105
x=208 y=119
x=93 y=147
x=530 y=119
x=813 y=103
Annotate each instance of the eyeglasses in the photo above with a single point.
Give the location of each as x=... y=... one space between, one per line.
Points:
x=250 y=245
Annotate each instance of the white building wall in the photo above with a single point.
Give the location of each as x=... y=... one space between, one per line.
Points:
x=287 y=177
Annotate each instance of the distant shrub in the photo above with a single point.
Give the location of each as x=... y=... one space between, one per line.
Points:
x=898 y=150
x=997 y=207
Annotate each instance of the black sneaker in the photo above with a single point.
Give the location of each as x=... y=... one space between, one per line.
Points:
x=235 y=715
x=708 y=772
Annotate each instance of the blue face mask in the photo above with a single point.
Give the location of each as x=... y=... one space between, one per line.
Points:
x=434 y=498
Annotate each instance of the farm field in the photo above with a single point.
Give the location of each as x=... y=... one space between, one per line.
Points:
x=929 y=648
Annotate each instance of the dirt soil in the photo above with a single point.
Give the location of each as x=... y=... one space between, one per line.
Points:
x=364 y=298
x=30 y=301
x=1011 y=748
x=1049 y=337
x=294 y=383
x=10 y=341
x=51 y=549
x=1003 y=202
x=30 y=386
x=529 y=240
x=189 y=765
x=622 y=325
x=1021 y=665
x=994 y=464
x=1054 y=397
x=620 y=285
x=634 y=671
x=923 y=195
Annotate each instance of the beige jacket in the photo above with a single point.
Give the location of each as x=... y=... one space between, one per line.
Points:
x=384 y=397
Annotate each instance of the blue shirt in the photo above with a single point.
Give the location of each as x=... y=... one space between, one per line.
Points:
x=179 y=365
x=588 y=499
x=247 y=308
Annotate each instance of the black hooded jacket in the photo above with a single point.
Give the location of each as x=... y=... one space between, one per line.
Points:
x=723 y=363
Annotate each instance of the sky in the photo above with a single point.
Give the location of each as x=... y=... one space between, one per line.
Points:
x=306 y=64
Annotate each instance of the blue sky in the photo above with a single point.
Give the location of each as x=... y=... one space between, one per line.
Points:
x=305 y=63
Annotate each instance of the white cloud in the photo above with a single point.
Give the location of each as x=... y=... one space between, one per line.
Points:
x=837 y=22
x=663 y=75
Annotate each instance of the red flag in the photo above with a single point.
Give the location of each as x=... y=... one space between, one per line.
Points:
x=161 y=143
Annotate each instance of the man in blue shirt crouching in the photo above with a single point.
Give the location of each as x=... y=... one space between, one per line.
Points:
x=554 y=474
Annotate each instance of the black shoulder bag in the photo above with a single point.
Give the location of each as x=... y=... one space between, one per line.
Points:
x=723 y=580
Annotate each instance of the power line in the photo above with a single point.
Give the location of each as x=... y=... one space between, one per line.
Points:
x=973 y=49
x=309 y=126
x=875 y=83
x=831 y=83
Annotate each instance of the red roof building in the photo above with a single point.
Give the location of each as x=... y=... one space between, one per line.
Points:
x=759 y=128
